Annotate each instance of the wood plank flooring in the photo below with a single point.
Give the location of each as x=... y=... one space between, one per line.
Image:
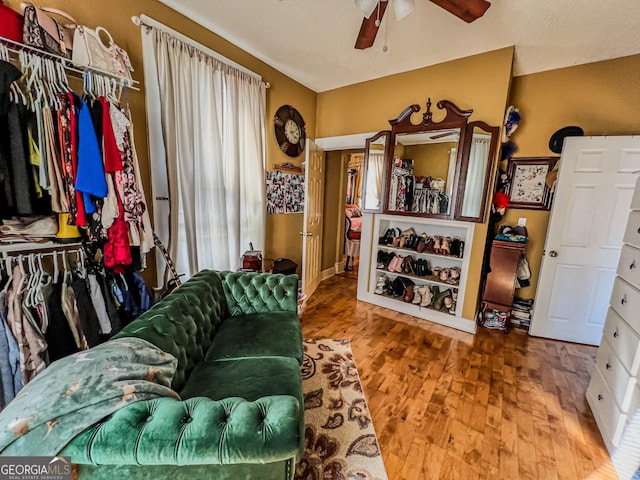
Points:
x=451 y=405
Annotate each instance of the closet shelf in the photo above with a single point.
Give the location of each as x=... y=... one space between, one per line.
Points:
x=415 y=252
x=15 y=47
x=430 y=279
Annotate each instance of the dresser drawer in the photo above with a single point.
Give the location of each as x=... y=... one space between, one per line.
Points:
x=618 y=379
x=632 y=233
x=625 y=300
x=629 y=265
x=611 y=421
x=624 y=340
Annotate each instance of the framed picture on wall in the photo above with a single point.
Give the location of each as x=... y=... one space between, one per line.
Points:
x=527 y=186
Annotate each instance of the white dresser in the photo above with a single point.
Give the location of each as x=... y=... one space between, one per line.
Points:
x=613 y=393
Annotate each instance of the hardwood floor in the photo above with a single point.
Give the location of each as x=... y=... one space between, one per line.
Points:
x=451 y=405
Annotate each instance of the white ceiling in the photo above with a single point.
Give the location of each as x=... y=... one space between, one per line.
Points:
x=312 y=41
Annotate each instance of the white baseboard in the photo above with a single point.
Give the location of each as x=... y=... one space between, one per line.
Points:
x=328 y=273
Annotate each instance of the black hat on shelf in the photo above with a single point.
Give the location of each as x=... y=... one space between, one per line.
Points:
x=557 y=139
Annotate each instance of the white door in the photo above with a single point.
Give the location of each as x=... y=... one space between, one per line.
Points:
x=590 y=210
x=312 y=229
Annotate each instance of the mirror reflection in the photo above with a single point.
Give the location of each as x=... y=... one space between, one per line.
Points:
x=373 y=181
x=476 y=175
x=423 y=171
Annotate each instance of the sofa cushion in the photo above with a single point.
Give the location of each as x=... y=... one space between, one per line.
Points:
x=259 y=292
x=248 y=378
x=275 y=334
x=184 y=323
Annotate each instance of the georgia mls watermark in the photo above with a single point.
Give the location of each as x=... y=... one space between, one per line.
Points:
x=35 y=468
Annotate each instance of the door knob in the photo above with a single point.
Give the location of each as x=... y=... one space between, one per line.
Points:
x=553 y=253
x=307 y=234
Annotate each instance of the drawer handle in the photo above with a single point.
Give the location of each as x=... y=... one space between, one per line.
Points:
x=607 y=366
x=633 y=265
x=615 y=334
x=600 y=397
x=624 y=299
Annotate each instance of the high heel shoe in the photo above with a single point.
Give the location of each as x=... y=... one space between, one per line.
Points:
x=445 y=246
x=436 y=245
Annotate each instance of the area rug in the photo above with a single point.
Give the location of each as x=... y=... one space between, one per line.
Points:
x=340 y=442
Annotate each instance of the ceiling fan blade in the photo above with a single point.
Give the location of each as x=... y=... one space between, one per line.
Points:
x=441 y=135
x=467 y=10
x=368 y=29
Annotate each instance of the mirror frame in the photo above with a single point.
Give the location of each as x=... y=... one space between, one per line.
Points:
x=383 y=191
x=454 y=118
x=464 y=169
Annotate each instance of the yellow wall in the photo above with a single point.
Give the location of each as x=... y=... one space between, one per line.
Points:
x=480 y=82
x=282 y=230
x=333 y=212
x=603 y=98
x=431 y=160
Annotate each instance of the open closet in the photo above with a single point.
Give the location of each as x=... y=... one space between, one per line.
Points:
x=74 y=226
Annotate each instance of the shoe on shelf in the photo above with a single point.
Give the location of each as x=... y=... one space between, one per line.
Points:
x=444 y=275
x=436 y=245
x=445 y=246
x=407 y=265
x=408 y=232
x=417 y=295
x=427 y=296
x=382 y=279
x=454 y=276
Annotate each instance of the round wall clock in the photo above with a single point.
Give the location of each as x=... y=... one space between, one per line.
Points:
x=288 y=126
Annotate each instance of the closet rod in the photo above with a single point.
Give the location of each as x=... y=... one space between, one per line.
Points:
x=53 y=252
x=15 y=249
x=15 y=48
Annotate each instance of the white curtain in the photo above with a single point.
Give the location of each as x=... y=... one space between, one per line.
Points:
x=474 y=184
x=373 y=182
x=212 y=118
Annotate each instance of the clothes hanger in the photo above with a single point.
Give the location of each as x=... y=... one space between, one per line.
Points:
x=56 y=270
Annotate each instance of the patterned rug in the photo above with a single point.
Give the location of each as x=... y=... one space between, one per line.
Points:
x=340 y=442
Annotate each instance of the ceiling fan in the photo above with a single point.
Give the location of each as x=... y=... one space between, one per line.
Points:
x=467 y=10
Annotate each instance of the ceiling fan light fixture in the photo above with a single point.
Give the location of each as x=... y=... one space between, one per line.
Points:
x=402 y=8
x=367 y=6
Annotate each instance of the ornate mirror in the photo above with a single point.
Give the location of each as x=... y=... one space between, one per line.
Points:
x=423 y=166
x=374 y=172
x=478 y=160
x=439 y=169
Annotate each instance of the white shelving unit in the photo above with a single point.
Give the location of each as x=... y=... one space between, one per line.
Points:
x=375 y=226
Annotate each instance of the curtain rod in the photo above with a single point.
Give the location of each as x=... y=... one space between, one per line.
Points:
x=145 y=21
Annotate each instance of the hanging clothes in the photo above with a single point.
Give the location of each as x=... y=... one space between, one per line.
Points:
x=59 y=336
x=10 y=373
x=14 y=147
x=59 y=202
x=90 y=179
x=86 y=312
x=31 y=342
x=65 y=136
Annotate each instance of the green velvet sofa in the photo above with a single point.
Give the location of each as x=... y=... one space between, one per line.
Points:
x=238 y=342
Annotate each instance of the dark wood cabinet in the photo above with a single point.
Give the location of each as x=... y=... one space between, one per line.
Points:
x=502 y=280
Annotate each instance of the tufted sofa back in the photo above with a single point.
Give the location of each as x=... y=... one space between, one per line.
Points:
x=248 y=293
x=184 y=323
